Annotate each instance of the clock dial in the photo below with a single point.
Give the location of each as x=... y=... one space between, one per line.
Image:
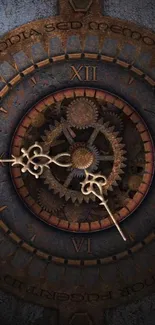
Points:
x=80 y=95
x=99 y=131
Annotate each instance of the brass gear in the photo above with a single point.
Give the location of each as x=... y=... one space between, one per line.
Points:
x=113 y=178
x=75 y=212
x=82 y=158
x=82 y=113
x=121 y=199
x=114 y=119
x=49 y=202
x=38 y=121
x=134 y=182
x=93 y=158
x=58 y=109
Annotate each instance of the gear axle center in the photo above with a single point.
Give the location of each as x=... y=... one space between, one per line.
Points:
x=82 y=158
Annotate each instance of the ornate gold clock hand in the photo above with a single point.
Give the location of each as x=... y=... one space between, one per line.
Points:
x=94 y=184
x=30 y=160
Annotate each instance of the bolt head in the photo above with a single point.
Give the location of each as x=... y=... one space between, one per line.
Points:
x=80 y=318
x=81 y=5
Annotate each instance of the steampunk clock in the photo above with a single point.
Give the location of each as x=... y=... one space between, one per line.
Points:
x=77 y=119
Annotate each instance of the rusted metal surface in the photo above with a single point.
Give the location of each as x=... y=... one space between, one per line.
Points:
x=47 y=265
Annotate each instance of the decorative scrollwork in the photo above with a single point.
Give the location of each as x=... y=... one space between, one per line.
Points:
x=34 y=160
x=93 y=184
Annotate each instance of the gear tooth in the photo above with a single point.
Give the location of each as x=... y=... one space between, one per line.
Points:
x=67 y=197
x=115 y=134
x=101 y=121
x=87 y=199
x=62 y=120
x=80 y=199
x=51 y=128
x=93 y=198
x=115 y=183
x=46 y=182
x=105 y=192
x=119 y=140
x=46 y=132
x=58 y=105
x=123 y=152
x=56 y=191
x=106 y=124
x=116 y=120
x=122 y=145
x=111 y=129
x=122 y=169
x=118 y=178
x=61 y=195
x=56 y=123
x=121 y=172
x=50 y=187
x=123 y=165
x=73 y=199
x=41 y=144
x=46 y=149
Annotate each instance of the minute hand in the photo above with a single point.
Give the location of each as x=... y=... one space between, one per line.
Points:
x=93 y=184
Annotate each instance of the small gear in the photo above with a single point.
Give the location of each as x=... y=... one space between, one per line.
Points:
x=84 y=157
x=134 y=182
x=114 y=119
x=58 y=109
x=82 y=113
x=140 y=160
x=108 y=107
x=137 y=165
x=121 y=199
x=38 y=121
x=76 y=212
x=49 y=202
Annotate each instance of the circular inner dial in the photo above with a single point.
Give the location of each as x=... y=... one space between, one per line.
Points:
x=102 y=134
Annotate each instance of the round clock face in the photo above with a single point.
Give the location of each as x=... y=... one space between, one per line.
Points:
x=77 y=119
x=98 y=130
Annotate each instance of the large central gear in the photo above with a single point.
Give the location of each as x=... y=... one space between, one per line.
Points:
x=116 y=159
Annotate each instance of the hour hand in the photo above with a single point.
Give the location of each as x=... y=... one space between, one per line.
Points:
x=93 y=184
x=34 y=160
